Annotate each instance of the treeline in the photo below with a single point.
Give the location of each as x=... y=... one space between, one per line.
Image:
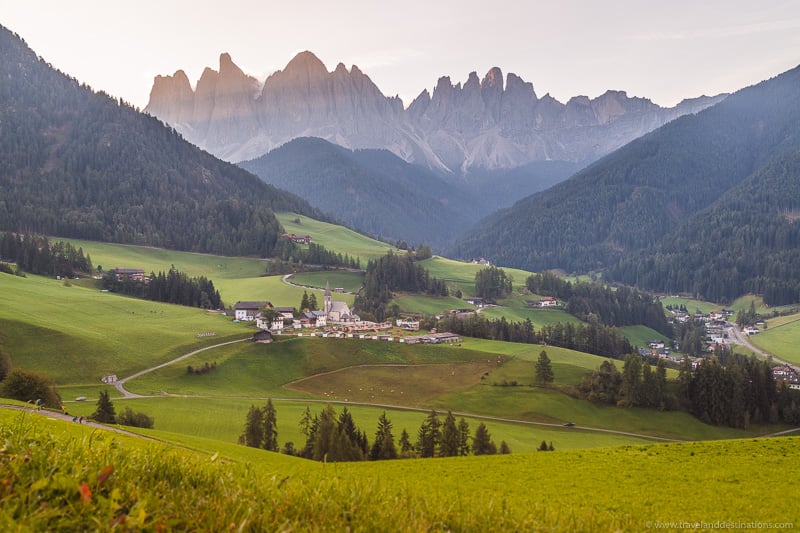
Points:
x=639 y=385
x=174 y=287
x=592 y=338
x=290 y=252
x=37 y=255
x=594 y=302
x=335 y=438
x=393 y=272
x=734 y=390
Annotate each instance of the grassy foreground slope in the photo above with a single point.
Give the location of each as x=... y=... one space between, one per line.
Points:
x=61 y=476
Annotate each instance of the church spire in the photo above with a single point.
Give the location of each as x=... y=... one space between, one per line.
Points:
x=327 y=304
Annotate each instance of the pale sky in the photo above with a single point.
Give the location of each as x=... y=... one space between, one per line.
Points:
x=663 y=50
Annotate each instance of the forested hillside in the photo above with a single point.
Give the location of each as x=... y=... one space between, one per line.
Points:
x=81 y=164
x=749 y=241
x=373 y=191
x=648 y=192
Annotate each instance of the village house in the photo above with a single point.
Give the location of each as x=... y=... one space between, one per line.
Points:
x=135 y=274
x=299 y=239
x=249 y=310
x=286 y=312
x=547 y=301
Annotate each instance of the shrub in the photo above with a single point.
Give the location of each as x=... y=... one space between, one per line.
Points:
x=28 y=386
x=135 y=419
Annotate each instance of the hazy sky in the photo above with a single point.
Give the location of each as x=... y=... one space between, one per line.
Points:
x=664 y=50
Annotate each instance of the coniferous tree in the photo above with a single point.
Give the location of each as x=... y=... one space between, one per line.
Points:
x=449 y=445
x=105 y=412
x=544 y=370
x=429 y=436
x=270 y=439
x=463 y=437
x=383 y=447
x=253 y=435
x=406 y=448
x=482 y=443
x=504 y=448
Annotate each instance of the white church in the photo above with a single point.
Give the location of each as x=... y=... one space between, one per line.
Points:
x=337 y=312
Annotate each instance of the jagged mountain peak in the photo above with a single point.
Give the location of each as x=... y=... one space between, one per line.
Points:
x=482 y=123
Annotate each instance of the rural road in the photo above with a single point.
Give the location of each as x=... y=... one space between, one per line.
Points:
x=742 y=339
x=120 y=384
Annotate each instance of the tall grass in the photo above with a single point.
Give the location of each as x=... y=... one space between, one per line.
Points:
x=62 y=477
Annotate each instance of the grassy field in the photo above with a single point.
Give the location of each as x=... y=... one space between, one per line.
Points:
x=61 y=476
x=76 y=335
x=349 y=281
x=336 y=238
x=462 y=274
x=429 y=305
x=780 y=339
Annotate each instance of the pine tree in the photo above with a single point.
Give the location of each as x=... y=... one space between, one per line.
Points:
x=406 y=448
x=463 y=437
x=544 y=370
x=449 y=444
x=383 y=447
x=504 y=448
x=253 y=435
x=105 y=413
x=482 y=442
x=270 y=439
x=304 y=302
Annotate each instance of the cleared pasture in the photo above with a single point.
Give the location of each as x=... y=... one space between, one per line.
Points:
x=335 y=238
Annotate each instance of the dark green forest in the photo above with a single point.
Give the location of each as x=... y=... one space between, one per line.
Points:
x=37 y=255
x=702 y=205
x=748 y=242
x=389 y=273
x=78 y=163
x=174 y=287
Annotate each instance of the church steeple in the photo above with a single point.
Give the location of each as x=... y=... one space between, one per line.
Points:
x=327 y=304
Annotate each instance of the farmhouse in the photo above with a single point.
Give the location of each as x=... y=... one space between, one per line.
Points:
x=547 y=301
x=299 y=239
x=249 y=310
x=135 y=274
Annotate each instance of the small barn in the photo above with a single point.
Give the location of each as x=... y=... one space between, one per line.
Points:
x=262 y=336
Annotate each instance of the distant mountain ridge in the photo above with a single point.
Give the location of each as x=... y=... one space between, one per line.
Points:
x=483 y=124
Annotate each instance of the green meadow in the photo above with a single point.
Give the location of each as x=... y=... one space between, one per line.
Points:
x=335 y=238
x=63 y=476
x=781 y=338
x=349 y=281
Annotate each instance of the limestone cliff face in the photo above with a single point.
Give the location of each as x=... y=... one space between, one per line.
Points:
x=488 y=123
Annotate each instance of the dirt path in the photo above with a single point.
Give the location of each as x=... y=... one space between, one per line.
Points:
x=120 y=385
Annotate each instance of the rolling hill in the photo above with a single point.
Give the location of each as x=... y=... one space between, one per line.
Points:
x=628 y=205
x=77 y=163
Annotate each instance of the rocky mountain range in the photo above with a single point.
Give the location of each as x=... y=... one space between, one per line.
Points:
x=480 y=125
